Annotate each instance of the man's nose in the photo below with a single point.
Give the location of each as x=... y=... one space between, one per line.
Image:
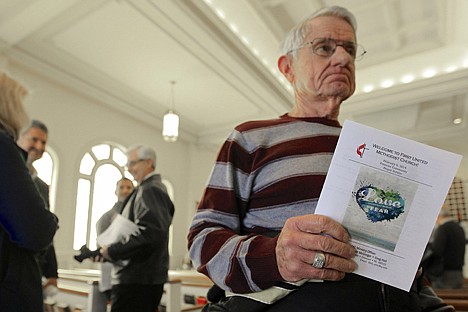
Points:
x=40 y=146
x=342 y=56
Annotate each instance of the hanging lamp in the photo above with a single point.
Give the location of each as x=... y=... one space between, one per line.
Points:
x=171 y=121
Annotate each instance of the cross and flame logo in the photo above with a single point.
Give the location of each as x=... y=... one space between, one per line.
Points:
x=361 y=149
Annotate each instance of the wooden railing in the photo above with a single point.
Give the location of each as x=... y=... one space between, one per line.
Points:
x=85 y=284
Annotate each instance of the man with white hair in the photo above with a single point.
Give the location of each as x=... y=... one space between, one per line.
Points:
x=140 y=279
x=255 y=233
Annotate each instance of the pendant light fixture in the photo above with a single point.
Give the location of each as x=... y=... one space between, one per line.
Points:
x=171 y=121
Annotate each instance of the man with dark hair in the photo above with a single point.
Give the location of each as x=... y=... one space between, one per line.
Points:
x=33 y=140
x=123 y=189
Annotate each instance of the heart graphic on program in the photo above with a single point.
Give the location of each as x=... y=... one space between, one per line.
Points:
x=380 y=205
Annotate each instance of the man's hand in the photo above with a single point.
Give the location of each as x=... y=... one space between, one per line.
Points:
x=298 y=242
x=104 y=253
x=50 y=281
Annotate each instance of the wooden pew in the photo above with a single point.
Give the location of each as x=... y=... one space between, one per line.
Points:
x=456 y=297
x=461 y=293
x=460 y=305
x=193 y=283
x=85 y=284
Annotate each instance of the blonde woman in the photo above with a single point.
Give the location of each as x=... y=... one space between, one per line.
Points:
x=26 y=227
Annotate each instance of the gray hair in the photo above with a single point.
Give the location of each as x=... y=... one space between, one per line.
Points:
x=295 y=37
x=143 y=152
x=37 y=124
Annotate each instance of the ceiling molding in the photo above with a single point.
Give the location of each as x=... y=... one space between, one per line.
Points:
x=437 y=87
x=102 y=96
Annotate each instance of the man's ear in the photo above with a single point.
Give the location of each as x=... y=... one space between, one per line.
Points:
x=285 y=67
x=152 y=163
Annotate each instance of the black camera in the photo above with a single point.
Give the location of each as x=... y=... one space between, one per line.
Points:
x=85 y=253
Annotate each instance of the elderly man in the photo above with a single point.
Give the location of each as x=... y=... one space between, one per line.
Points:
x=140 y=277
x=255 y=233
x=33 y=140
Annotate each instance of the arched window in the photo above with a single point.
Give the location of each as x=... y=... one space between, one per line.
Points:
x=46 y=168
x=100 y=169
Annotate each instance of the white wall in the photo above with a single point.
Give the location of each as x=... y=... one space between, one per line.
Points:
x=76 y=123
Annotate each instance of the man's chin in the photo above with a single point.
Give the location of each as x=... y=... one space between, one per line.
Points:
x=344 y=97
x=33 y=157
x=341 y=89
x=344 y=91
x=342 y=94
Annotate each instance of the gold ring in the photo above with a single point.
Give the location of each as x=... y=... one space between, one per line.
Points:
x=319 y=260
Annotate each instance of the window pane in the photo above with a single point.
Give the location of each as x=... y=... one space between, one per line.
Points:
x=170 y=192
x=44 y=167
x=119 y=157
x=87 y=164
x=104 y=197
x=169 y=187
x=128 y=175
x=101 y=151
x=81 y=214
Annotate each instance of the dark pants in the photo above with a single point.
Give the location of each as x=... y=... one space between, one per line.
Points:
x=136 y=297
x=352 y=294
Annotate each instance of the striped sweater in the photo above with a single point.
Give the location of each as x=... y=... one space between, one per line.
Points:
x=266 y=172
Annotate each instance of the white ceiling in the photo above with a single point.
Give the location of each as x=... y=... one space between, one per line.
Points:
x=222 y=55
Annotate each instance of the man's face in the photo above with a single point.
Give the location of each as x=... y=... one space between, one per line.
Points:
x=124 y=188
x=138 y=168
x=318 y=76
x=34 y=142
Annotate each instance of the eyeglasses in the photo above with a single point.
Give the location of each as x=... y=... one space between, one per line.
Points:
x=325 y=47
x=134 y=162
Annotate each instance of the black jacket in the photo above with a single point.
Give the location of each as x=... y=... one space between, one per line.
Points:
x=147 y=252
x=47 y=258
x=449 y=244
x=26 y=227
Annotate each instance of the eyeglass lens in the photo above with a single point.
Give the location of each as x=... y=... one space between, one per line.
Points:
x=327 y=46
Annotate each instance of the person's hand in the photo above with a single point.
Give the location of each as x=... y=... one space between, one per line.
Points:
x=50 y=287
x=298 y=242
x=105 y=253
x=98 y=258
x=50 y=281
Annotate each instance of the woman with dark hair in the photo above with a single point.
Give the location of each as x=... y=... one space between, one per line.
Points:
x=26 y=226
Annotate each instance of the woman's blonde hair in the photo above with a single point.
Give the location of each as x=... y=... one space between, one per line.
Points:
x=12 y=114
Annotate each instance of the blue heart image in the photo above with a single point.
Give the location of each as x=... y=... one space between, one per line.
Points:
x=378 y=204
